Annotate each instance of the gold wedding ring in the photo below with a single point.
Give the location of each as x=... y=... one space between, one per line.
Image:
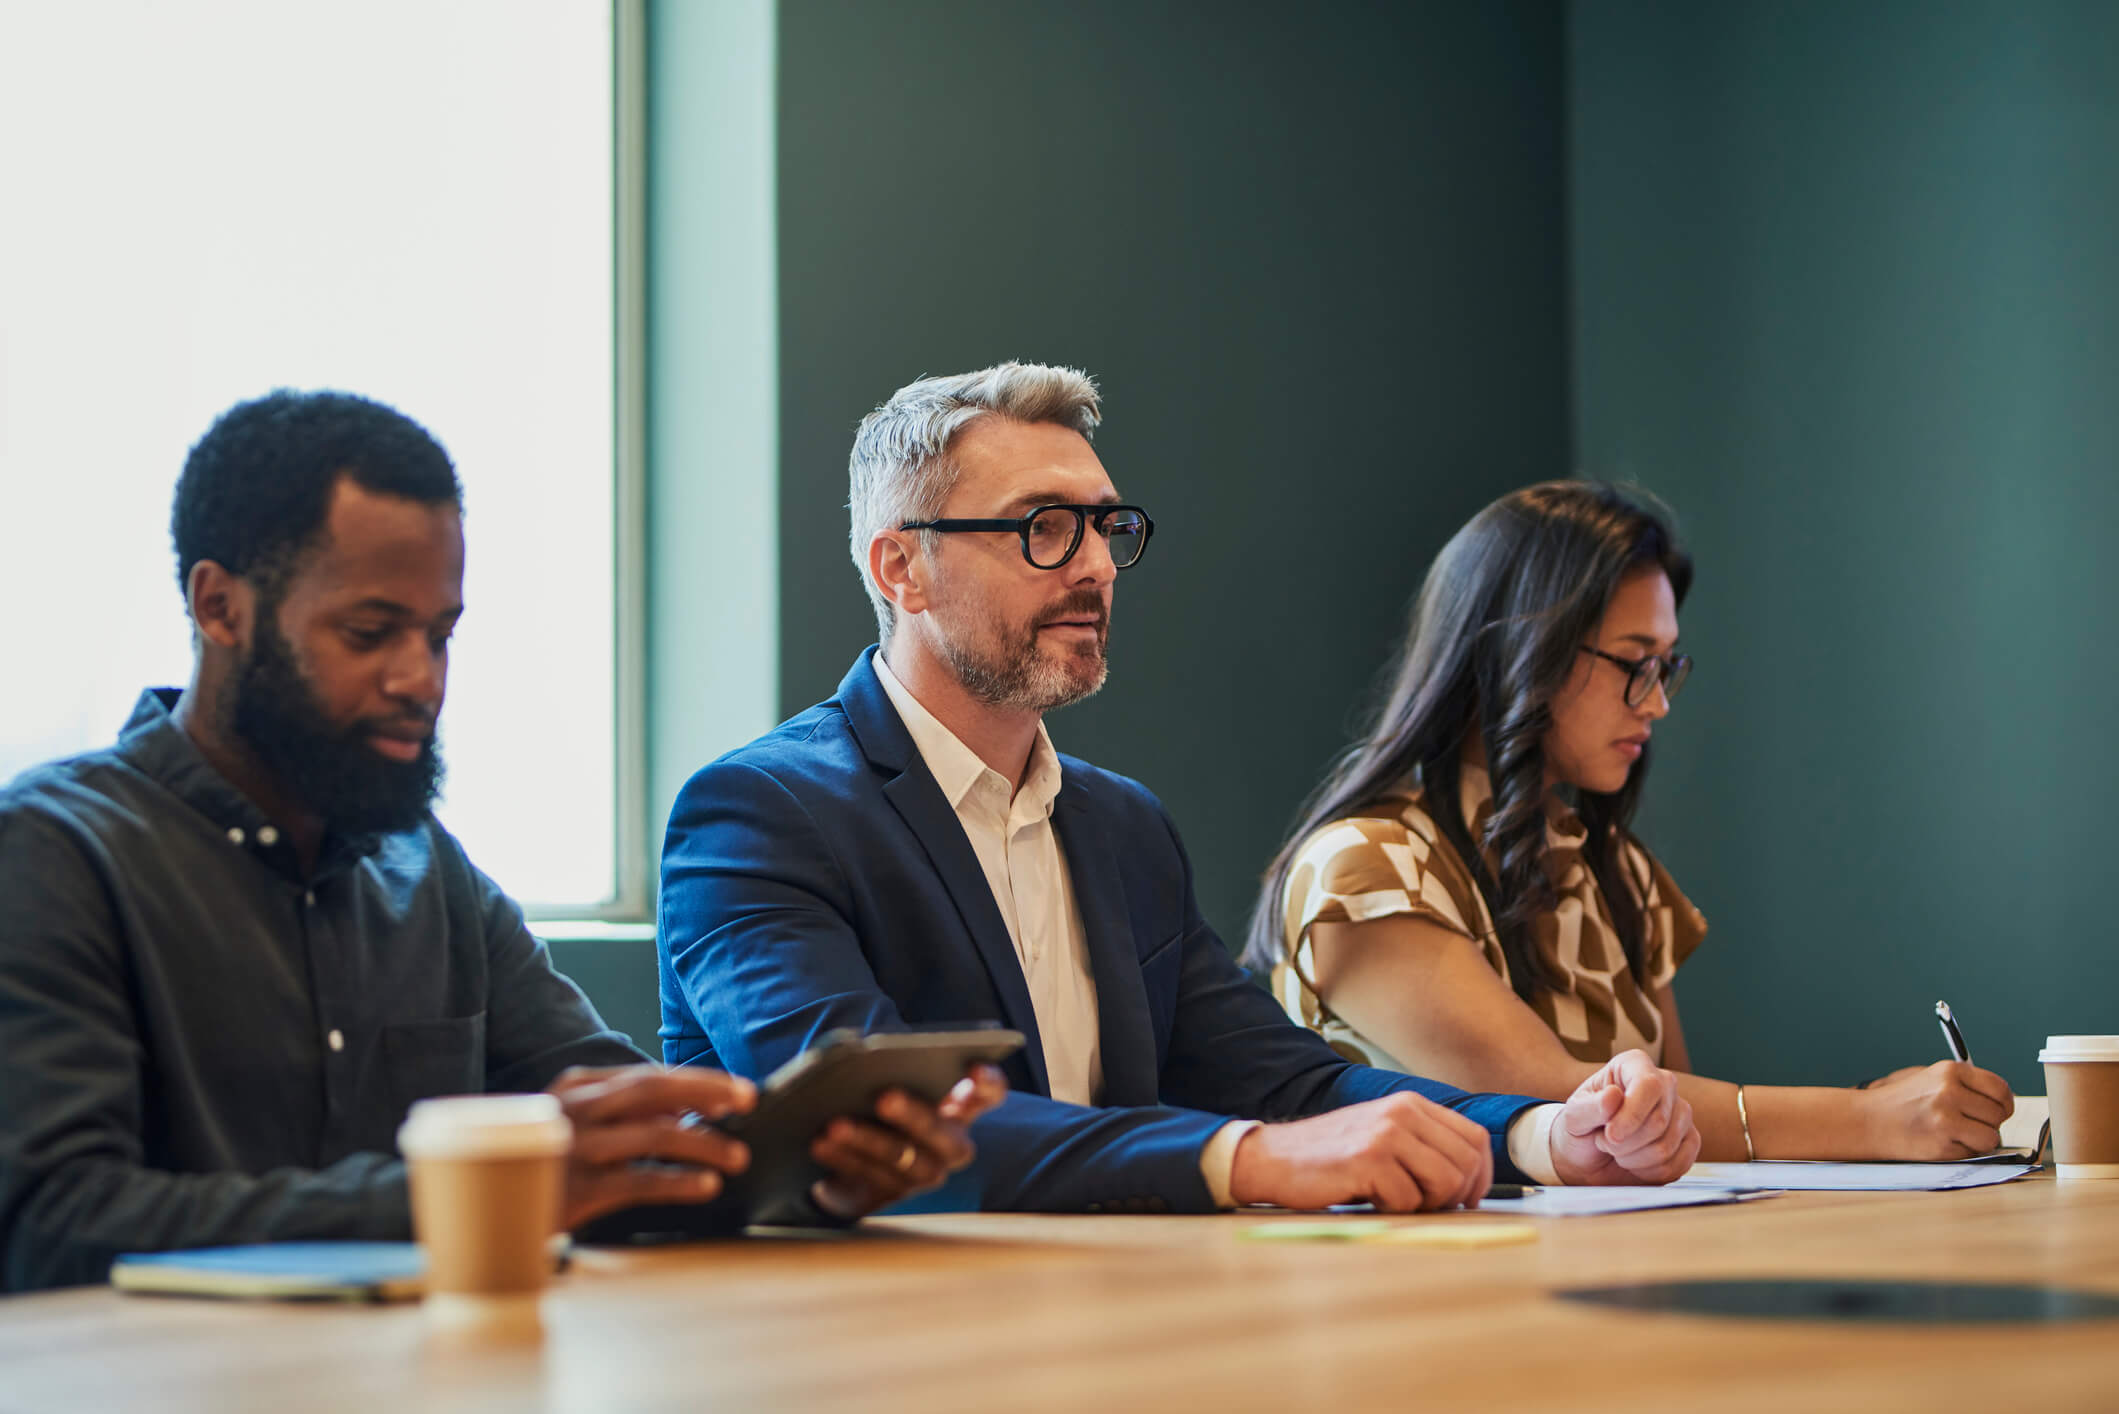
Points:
x=906 y=1156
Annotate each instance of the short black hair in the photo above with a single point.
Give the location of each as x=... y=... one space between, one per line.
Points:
x=256 y=489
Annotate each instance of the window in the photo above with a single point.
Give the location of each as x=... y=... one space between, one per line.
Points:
x=405 y=199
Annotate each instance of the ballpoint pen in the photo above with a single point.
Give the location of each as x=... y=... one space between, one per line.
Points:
x=1948 y=1021
x=1951 y=1034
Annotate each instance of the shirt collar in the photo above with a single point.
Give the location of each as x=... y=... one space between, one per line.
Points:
x=154 y=744
x=956 y=768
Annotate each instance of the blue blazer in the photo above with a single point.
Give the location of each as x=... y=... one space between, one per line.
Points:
x=817 y=878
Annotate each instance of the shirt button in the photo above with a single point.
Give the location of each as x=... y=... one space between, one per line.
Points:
x=336 y=1040
x=268 y=836
x=235 y=834
x=309 y=897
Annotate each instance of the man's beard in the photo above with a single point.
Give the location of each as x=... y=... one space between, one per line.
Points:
x=329 y=770
x=1005 y=668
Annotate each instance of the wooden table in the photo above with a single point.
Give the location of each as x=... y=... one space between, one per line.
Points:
x=1109 y=1314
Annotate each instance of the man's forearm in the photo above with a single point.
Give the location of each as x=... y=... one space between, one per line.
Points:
x=68 y=1223
x=1041 y=1155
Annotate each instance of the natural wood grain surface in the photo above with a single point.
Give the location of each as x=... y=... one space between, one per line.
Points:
x=982 y=1312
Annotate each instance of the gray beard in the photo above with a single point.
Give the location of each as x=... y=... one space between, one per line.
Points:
x=1018 y=678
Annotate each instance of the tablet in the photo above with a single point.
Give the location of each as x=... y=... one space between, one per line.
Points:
x=845 y=1073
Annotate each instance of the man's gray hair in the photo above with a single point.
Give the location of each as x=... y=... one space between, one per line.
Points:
x=901 y=470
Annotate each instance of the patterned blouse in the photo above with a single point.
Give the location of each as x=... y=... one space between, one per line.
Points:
x=1391 y=859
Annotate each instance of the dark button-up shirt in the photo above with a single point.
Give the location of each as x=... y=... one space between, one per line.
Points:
x=199 y=1045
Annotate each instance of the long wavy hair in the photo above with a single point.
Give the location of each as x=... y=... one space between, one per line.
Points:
x=1494 y=636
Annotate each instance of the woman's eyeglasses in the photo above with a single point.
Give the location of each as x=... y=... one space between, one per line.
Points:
x=1642 y=674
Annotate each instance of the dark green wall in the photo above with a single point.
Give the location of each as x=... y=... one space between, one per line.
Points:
x=1316 y=255
x=618 y=974
x=1843 y=288
x=1847 y=293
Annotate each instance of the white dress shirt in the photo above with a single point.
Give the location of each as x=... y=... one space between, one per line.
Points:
x=1011 y=833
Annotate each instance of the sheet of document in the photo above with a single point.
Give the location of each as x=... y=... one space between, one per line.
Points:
x=1587 y=1202
x=1863 y=1178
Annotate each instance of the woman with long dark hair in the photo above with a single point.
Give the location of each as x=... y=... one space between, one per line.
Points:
x=1464 y=896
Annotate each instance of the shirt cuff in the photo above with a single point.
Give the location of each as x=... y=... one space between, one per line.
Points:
x=1218 y=1158
x=1530 y=1143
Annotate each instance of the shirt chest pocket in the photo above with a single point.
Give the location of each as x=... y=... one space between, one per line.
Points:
x=422 y=1059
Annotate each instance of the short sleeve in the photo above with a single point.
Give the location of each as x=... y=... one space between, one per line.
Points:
x=1675 y=927
x=1356 y=869
x=1365 y=867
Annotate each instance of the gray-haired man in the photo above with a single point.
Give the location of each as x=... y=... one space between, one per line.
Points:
x=913 y=851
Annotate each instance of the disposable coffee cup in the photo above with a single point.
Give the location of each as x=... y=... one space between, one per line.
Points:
x=2082 y=1087
x=486 y=1174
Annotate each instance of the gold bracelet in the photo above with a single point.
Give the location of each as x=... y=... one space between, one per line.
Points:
x=1743 y=1117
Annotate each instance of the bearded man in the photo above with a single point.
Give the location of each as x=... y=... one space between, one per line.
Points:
x=237 y=946
x=914 y=851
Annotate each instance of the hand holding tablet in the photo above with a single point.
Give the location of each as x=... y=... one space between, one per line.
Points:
x=858 y=1122
x=850 y=1125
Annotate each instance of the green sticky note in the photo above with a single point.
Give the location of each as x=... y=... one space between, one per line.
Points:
x=1341 y=1230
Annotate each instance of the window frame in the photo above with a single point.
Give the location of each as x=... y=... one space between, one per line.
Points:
x=633 y=898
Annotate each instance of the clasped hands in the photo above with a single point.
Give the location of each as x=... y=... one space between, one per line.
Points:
x=1626 y=1124
x=631 y=1114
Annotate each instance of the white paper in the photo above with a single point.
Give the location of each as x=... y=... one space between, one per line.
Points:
x=1587 y=1202
x=1864 y=1178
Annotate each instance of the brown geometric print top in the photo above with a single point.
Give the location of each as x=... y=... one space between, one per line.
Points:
x=1391 y=859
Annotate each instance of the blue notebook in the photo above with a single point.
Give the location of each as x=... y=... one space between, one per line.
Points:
x=286 y=1271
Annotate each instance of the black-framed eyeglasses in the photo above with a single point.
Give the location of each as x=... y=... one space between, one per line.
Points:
x=1051 y=534
x=1642 y=674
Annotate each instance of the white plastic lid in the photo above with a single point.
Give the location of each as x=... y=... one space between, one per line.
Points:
x=2080 y=1048
x=485 y=1127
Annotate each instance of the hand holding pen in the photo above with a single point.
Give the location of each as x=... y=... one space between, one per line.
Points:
x=1949 y=1110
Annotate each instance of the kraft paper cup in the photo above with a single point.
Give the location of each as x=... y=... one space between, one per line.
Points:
x=486 y=1174
x=2082 y=1086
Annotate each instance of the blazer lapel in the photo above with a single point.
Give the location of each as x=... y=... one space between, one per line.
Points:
x=1132 y=1072
x=919 y=801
